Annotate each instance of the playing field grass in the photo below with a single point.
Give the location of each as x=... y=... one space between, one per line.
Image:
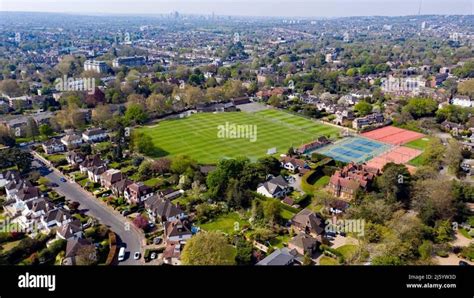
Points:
x=419 y=144
x=197 y=135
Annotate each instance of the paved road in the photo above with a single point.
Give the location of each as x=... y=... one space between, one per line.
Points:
x=130 y=238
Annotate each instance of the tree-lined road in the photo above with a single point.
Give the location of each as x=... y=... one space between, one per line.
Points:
x=131 y=238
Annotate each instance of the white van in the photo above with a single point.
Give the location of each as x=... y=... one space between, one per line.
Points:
x=121 y=255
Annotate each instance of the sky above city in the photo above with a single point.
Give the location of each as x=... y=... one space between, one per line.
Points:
x=302 y=8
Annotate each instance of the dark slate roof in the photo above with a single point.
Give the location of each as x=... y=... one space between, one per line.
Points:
x=28 y=193
x=279 y=257
x=58 y=215
x=310 y=220
x=162 y=207
x=306 y=242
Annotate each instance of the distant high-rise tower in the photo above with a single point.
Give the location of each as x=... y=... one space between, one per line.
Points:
x=18 y=37
x=423 y=26
x=347 y=37
x=176 y=15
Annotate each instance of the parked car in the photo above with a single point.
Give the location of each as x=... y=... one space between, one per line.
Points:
x=121 y=255
x=136 y=255
x=126 y=212
x=153 y=255
x=63 y=180
x=464 y=263
x=157 y=240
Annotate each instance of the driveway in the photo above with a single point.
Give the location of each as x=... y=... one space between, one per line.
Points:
x=460 y=240
x=451 y=260
x=128 y=234
x=297 y=183
x=341 y=241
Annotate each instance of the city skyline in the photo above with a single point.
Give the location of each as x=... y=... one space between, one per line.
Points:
x=316 y=8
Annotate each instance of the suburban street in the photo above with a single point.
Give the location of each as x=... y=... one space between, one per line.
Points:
x=130 y=238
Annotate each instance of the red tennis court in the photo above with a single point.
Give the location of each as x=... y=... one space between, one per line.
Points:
x=399 y=155
x=393 y=135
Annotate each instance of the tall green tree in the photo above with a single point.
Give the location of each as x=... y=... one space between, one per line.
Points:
x=363 y=108
x=208 y=248
x=45 y=130
x=395 y=182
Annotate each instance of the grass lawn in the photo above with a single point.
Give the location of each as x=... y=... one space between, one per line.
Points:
x=9 y=245
x=322 y=182
x=182 y=201
x=197 y=135
x=316 y=205
x=83 y=182
x=152 y=182
x=286 y=214
x=327 y=261
x=224 y=223
x=417 y=161
x=114 y=165
x=347 y=250
x=77 y=176
x=280 y=240
x=465 y=233
x=419 y=144
x=55 y=158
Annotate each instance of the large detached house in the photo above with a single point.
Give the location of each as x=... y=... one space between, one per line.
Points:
x=163 y=210
x=137 y=193
x=293 y=165
x=12 y=187
x=308 y=222
x=94 y=135
x=71 y=230
x=71 y=140
x=118 y=189
x=74 y=158
x=94 y=167
x=74 y=246
x=27 y=193
x=462 y=101
x=52 y=146
x=29 y=214
x=274 y=188
x=303 y=244
x=110 y=177
x=279 y=257
x=346 y=182
x=372 y=119
x=177 y=231
x=55 y=218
